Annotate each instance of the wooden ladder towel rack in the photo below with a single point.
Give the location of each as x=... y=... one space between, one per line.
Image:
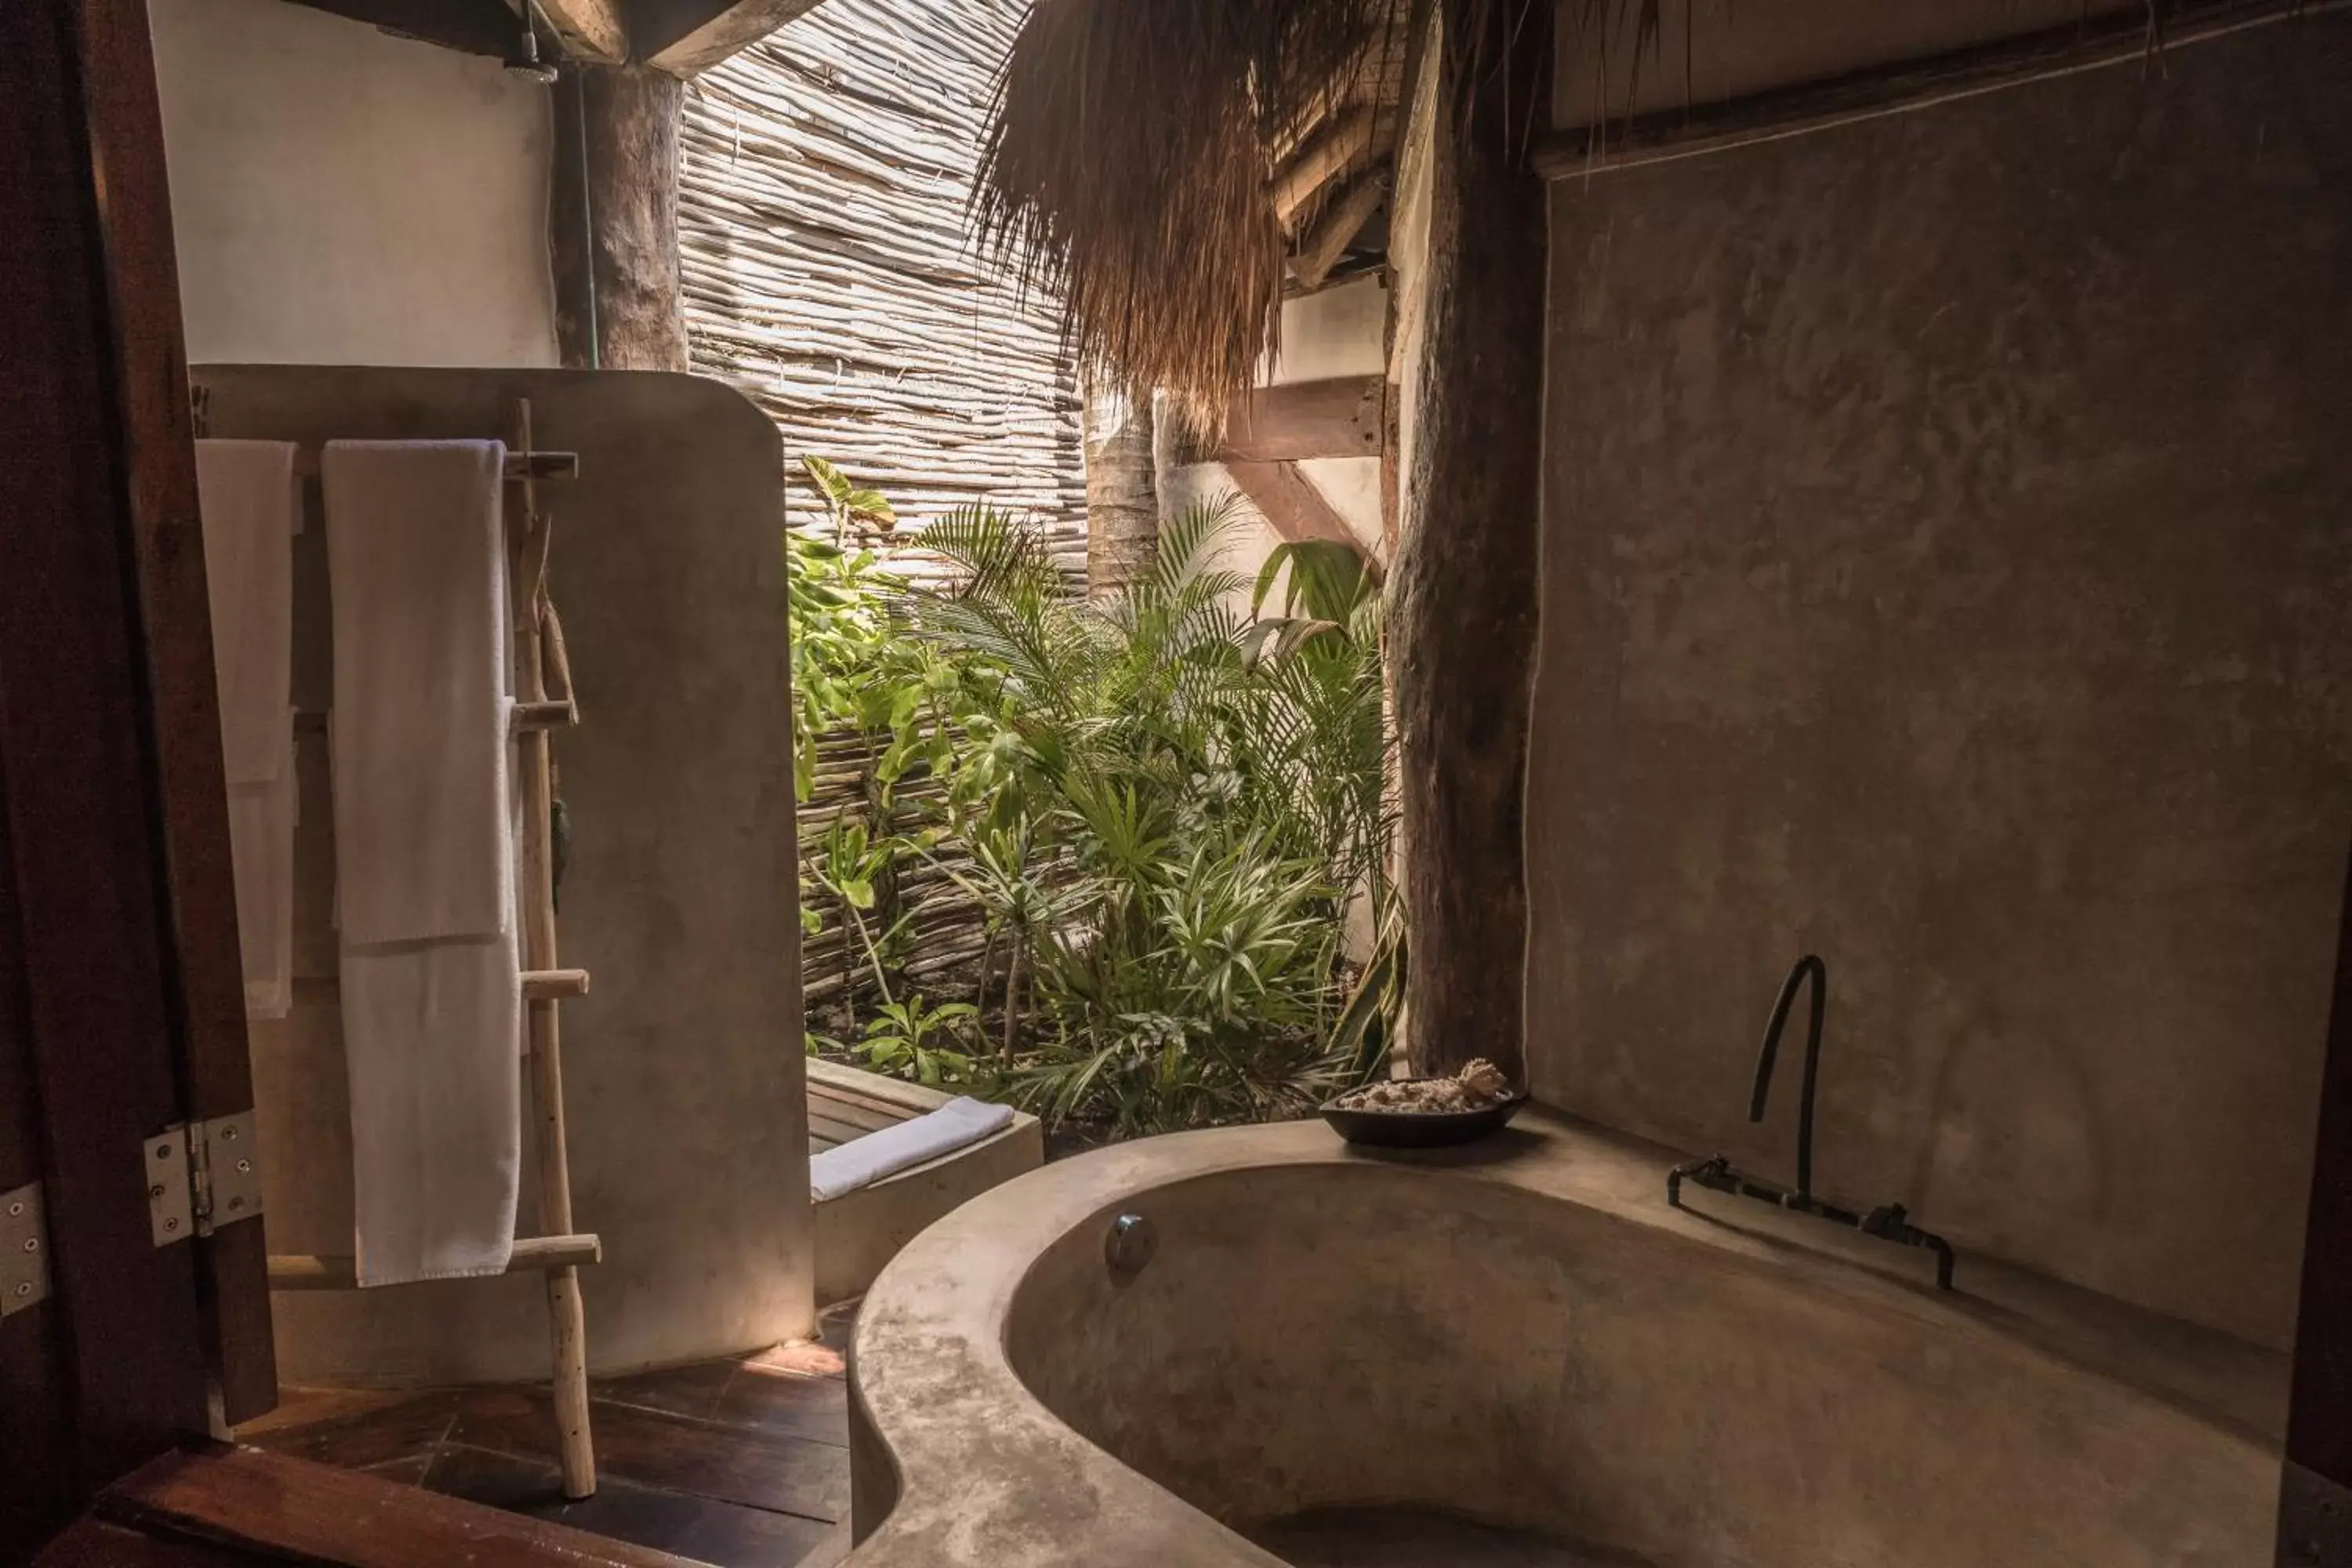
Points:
x=544 y=703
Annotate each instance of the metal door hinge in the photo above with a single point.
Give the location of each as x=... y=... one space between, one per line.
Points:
x=23 y=1249
x=202 y=1175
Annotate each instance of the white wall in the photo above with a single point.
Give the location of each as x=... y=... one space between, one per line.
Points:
x=1336 y=331
x=341 y=197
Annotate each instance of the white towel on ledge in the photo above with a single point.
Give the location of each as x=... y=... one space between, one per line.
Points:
x=247 y=496
x=864 y=1161
x=432 y=998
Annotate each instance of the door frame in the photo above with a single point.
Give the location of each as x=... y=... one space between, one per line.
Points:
x=121 y=1005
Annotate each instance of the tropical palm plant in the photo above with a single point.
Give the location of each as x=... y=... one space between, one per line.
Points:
x=1205 y=797
x=1169 y=810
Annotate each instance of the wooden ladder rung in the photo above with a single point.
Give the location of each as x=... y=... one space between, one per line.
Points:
x=528 y=716
x=295 y=1272
x=547 y=985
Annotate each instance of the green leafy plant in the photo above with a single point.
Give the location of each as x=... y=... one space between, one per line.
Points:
x=1170 y=813
x=905 y=1041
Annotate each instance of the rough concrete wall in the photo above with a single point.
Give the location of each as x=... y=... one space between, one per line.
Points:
x=684 y=1079
x=341 y=197
x=1705 y=51
x=1948 y=535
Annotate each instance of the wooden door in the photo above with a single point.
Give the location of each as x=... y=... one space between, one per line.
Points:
x=2316 y=1499
x=120 y=996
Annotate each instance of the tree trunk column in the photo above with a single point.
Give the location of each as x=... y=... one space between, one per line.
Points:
x=615 y=131
x=1122 y=492
x=1465 y=590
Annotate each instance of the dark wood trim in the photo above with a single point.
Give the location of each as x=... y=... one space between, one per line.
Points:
x=1392 y=456
x=35 y=1423
x=1338 y=418
x=289 y=1508
x=469 y=26
x=203 y=974
x=2319 y=1423
x=2121 y=38
x=74 y=731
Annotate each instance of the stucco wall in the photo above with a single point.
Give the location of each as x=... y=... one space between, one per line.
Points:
x=1705 y=51
x=684 y=1079
x=341 y=197
x=1947 y=545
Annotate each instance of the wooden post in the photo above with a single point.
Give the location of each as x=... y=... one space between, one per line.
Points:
x=1466 y=578
x=528 y=537
x=612 y=219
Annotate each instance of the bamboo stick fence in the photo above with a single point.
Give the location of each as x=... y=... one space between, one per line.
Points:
x=824 y=178
x=945 y=936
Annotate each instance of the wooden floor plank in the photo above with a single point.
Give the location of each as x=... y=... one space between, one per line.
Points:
x=246 y=1498
x=317 y=1407
x=408 y=1471
x=776 y=1471
x=375 y=1438
x=94 y=1543
x=679 y=1390
x=704 y=1528
x=811 y=1360
x=765 y=1399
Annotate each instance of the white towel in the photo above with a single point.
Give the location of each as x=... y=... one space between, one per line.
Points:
x=437 y=1107
x=861 y=1161
x=247 y=498
x=425 y=882
x=416 y=560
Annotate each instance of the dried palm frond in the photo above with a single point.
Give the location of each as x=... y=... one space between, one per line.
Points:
x=1128 y=166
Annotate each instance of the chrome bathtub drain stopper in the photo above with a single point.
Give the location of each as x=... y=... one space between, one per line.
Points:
x=1130 y=1244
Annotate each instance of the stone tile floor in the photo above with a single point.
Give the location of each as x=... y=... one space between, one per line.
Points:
x=728 y=1462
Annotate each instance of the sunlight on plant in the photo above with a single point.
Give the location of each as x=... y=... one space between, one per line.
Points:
x=1168 y=815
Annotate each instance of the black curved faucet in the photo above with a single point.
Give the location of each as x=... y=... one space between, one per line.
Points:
x=1888 y=1222
x=1810 y=966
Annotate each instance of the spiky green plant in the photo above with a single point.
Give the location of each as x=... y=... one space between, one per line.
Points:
x=1206 y=796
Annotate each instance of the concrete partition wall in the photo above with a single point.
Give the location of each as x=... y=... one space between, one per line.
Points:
x=1948 y=570
x=683 y=1071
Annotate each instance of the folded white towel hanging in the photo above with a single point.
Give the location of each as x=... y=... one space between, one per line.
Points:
x=415 y=561
x=425 y=882
x=250 y=507
x=861 y=1161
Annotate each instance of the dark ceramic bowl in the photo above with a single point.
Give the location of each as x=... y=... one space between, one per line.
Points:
x=1423 y=1129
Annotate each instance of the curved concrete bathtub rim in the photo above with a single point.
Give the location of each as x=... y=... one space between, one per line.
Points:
x=957 y=1460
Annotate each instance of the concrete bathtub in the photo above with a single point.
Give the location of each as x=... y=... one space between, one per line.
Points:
x=1329 y=1347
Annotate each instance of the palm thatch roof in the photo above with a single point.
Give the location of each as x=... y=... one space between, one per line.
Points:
x=1163 y=163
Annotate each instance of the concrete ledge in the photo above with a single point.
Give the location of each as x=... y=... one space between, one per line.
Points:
x=860 y=1231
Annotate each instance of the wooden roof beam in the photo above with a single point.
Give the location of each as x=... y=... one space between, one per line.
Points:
x=1337 y=417
x=1320 y=248
x=1324 y=159
x=596 y=31
x=686 y=37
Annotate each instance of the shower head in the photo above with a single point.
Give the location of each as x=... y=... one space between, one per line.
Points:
x=525 y=62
